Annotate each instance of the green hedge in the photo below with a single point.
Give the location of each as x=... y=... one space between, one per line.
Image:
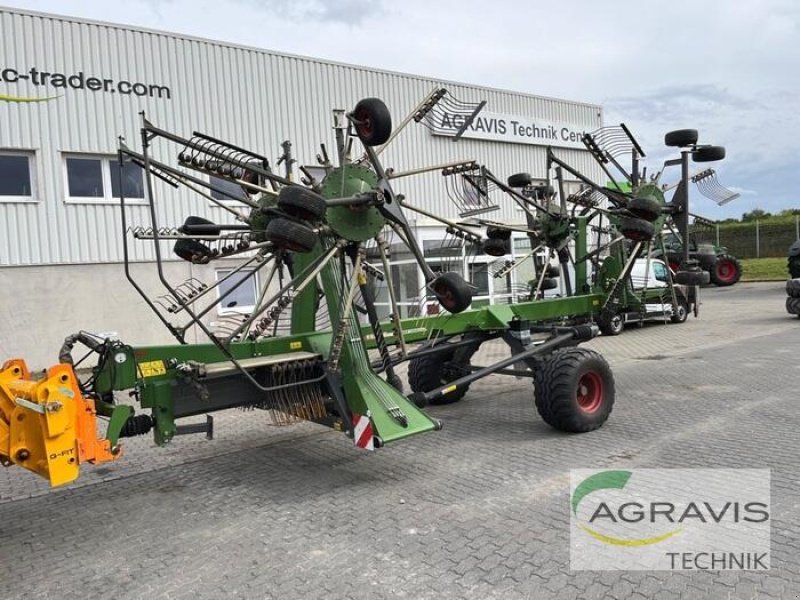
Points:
x=774 y=237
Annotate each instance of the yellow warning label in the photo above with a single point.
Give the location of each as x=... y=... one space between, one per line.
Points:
x=295 y=345
x=152 y=368
x=449 y=389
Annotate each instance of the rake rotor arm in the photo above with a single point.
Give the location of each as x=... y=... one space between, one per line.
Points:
x=152 y=131
x=617 y=196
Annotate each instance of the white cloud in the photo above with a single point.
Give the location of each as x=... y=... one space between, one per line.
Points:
x=726 y=68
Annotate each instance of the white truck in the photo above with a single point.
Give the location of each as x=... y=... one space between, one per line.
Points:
x=652 y=274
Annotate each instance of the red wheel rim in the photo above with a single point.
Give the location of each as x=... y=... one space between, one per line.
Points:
x=590 y=392
x=726 y=271
x=364 y=128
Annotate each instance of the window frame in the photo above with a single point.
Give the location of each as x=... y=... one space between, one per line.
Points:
x=106 y=161
x=30 y=154
x=219 y=274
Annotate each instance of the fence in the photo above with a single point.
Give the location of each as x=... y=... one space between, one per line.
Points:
x=753 y=239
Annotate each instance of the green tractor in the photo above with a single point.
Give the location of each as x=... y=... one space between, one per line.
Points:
x=724 y=268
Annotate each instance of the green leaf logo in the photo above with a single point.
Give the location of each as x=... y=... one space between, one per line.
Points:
x=24 y=100
x=610 y=480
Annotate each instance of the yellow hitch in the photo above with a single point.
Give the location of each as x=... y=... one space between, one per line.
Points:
x=46 y=425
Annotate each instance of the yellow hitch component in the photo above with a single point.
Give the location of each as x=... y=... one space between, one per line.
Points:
x=47 y=426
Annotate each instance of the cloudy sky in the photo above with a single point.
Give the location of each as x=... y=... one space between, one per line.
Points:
x=728 y=68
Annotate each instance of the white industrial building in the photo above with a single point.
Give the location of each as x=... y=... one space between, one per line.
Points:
x=69 y=88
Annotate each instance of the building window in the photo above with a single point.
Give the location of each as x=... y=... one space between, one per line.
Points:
x=220 y=185
x=92 y=178
x=16 y=176
x=243 y=297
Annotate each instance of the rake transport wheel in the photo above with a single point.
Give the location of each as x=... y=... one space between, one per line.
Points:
x=553 y=271
x=726 y=271
x=191 y=250
x=452 y=292
x=429 y=372
x=301 y=203
x=498 y=233
x=645 y=207
x=291 y=235
x=373 y=123
x=574 y=390
x=681 y=137
x=496 y=247
x=635 y=229
x=519 y=180
x=708 y=153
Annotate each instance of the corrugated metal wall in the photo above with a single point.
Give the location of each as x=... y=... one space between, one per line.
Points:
x=250 y=97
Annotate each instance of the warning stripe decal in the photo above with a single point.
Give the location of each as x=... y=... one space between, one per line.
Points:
x=362 y=432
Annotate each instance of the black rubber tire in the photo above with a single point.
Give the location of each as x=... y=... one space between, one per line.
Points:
x=199 y=226
x=682 y=314
x=519 y=180
x=553 y=271
x=793 y=288
x=794 y=266
x=301 y=203
x=429 y=372
x=498 y=233
x=637 y=230
x=191 y=250
x=727 y=270
x=375 y=122
x=549 y=283
x=453 y=293
x=645 y=207
x=574 y=390
x=691 y=277
x=793 y=306
x=681 y=137
x=291 y=235
x=708 y=154
x=612 y=325
x=496 y=247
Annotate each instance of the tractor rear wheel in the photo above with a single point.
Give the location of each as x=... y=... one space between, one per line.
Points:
x=726 y=271
x=793 y=288
x=574 y=390
x=429 y=372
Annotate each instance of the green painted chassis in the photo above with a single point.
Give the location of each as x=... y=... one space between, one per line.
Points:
x=362 y=389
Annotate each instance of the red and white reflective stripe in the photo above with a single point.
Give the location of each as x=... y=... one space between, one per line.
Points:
x=362 y=432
